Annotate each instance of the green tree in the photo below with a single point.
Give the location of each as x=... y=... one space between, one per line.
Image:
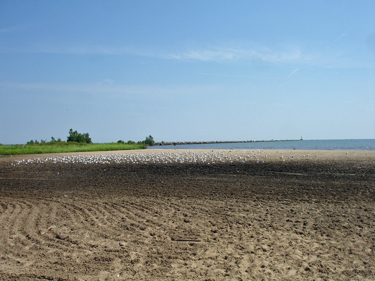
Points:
x=149 y=141
x=77 y=137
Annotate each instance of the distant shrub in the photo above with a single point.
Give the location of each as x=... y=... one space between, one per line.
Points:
x=149 y=141
x=74 y=136
x=45 y=142
x=33 y=142
x=131 y=142
x=120 y=141
x=53 y=140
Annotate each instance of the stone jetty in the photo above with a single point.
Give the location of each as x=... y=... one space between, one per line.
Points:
x=211 y=142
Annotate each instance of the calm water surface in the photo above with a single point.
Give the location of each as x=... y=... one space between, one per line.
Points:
x=368 y=144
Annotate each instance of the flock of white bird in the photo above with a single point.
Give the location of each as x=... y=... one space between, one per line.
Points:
x=209 y=158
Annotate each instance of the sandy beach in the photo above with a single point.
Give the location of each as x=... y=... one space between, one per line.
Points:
x=231 y=215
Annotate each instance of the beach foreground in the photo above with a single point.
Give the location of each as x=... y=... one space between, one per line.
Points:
x=306 y=217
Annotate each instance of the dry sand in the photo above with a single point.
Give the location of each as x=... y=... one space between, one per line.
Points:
x=311 y=218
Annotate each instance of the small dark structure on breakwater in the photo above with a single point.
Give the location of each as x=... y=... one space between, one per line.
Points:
x=210 y=142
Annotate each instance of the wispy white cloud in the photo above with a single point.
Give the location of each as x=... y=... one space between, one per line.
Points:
x=341 y=36
x=289 y=76
x=11 y=28
x=106 y=87
x=293 y=72
x=101 y=90
x=293 y=56
x=203 y=55
x=76 y=50
x=232 y=54
x=87 y=50
x=109 y=81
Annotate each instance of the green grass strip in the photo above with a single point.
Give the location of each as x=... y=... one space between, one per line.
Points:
x=63 y=147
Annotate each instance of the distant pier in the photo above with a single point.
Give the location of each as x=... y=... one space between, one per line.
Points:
x=211 y=142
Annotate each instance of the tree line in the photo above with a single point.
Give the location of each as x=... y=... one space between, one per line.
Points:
x=74 y=136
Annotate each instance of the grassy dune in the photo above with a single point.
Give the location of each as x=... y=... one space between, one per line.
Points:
x=61 y=147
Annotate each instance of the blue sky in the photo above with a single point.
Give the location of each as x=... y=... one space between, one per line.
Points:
x=187 y=70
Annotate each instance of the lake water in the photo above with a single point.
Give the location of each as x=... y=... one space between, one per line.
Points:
x=361 y=144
